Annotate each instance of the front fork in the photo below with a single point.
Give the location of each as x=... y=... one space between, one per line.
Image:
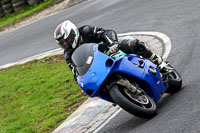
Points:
x=132 y=87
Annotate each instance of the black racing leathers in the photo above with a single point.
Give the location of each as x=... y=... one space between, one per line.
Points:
x=90 y=34
x=135 y=47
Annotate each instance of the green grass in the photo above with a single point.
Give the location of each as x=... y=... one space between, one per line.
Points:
x=37 y=96
x=12 y=18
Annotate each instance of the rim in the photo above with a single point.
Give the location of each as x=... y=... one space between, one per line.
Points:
x=172 y=75
x=139 y=99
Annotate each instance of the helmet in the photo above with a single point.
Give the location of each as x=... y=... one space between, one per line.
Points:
x=66 y=35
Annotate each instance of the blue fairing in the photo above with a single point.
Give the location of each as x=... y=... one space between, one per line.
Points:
x=104 y=66
x=97 y=73
x=129 y=65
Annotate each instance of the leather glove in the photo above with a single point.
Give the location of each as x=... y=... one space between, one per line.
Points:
x=114 y=48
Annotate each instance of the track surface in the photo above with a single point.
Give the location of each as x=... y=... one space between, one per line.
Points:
x=180 y=20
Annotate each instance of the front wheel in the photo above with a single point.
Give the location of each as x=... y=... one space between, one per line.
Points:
x=140 y=105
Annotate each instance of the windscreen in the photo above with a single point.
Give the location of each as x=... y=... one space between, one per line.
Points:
x=82 y=58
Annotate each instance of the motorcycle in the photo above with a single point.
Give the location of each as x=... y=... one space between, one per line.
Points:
x=128 y=80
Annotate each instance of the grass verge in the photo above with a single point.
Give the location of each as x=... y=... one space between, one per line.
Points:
x=37 y=96
x=28 y=10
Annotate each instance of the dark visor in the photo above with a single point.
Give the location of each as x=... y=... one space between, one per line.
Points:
x=67 y=43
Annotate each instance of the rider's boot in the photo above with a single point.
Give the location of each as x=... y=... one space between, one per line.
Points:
x=140 y=48
x=147 y=53
x=156 y=59
x=161 y=64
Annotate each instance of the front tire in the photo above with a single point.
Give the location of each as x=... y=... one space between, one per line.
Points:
x=126 y=101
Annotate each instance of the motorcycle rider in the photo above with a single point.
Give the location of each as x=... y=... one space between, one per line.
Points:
x=69 y=37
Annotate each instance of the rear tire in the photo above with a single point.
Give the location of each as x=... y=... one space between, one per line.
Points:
x=125 y=101
x=175 y=82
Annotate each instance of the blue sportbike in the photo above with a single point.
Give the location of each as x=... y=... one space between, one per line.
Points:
x=130 y=81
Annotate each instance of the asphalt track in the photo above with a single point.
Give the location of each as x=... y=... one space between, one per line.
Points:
x=180 y=20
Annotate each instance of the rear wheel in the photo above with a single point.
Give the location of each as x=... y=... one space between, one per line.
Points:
x=174 y=81
x=138 y=104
